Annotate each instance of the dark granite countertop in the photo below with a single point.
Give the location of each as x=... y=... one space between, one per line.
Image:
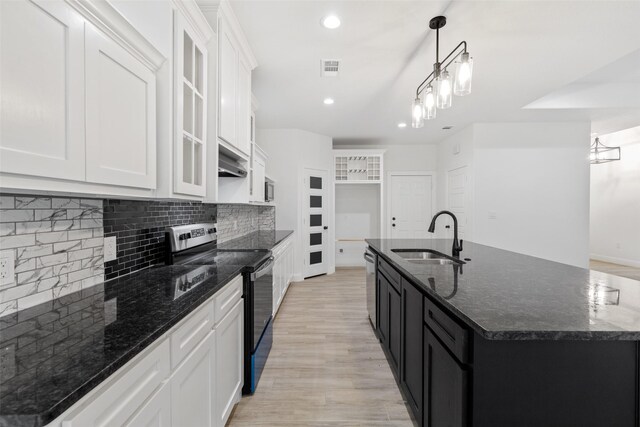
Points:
x=504 y=295
x=52 y=354
x=258 y=240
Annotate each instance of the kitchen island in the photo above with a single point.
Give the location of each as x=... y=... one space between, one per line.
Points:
x=496 y=338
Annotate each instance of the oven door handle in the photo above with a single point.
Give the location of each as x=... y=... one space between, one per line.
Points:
x=267 y=267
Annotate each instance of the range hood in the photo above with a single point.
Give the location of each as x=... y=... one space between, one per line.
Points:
x=229 y=167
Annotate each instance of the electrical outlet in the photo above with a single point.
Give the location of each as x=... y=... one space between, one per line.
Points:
x=7 y=268
x=110 y=249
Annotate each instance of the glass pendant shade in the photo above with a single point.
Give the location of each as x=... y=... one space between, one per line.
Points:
x=417 y=119
x=464 y=71
x=429 y=104
x=444 y=89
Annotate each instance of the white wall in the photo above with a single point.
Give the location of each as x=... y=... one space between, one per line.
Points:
x=401 y=158
x=290 y=151
x=532 y=179
x=357 y=218
x=615 y=202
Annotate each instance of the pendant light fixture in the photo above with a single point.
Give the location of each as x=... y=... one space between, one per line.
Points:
x=600 y=153
x=437 y=90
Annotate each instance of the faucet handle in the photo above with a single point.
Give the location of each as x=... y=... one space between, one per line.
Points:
x=461 y=244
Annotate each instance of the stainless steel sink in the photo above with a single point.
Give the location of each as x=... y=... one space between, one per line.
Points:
x=425 y=256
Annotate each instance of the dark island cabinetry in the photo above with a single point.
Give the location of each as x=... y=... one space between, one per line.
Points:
x=453 y=373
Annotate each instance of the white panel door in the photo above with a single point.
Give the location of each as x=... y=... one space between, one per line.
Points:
x=229 y=362
x=42 y=81
x=411 y=206
x=228 y=57
x=120 y=115
x=193 y=387
x=315 y=222
x=457 y=201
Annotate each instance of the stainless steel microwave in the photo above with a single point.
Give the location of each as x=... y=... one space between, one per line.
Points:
x=268 y=191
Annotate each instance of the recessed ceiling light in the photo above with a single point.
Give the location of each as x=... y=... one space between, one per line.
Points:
x=447 y=127
x=402 y=125
x=331 y=22
x=328 y=101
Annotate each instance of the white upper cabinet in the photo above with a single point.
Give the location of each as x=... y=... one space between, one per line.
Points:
x=228 y=85
x=120 y=115
x=235 y=63
x=78 y=104
x=191 y=98
x=42 y=81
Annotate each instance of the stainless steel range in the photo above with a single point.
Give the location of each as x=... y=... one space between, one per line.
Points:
x=196 y=244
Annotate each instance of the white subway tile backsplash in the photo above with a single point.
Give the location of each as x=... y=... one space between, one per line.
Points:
x=80 y=234
x=7 y=202
x=53 y=255
x=7 y=229
x=8 y=242
x=71 y=245
x=33 y=227
x=49 y=214
x=52 y=237
x=28 y=202
x=81 y=254
x=34 y=251
x=63 y=203
x=15 y=215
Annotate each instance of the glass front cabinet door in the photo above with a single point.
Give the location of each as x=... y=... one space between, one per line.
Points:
x=190 y=105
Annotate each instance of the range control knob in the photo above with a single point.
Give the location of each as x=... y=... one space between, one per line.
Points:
x=184 y=236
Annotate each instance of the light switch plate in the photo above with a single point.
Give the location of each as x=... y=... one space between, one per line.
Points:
x=7 y=268
x=110 y=251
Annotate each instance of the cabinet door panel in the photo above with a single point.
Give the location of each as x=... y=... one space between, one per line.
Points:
x=394 y=327
x=120 y=115
x=244 y=108
x=229 y=362
x=192 y=387
x=156 y=412
x=412 y=346
x=227 y=85
x=258 y=178
x=383 y=310
x=445 y=385
x=42 y=79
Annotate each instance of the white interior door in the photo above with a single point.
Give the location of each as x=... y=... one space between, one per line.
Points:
x=457 y=200
x=315 y=222
x=411 y=206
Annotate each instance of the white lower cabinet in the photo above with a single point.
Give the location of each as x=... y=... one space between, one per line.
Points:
x=193 y=387
x=191 y=377
x=156 y=412
x=282 y=271
x=124 y=393
x=229 y=348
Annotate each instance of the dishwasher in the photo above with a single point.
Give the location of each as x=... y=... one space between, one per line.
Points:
x=371 y=261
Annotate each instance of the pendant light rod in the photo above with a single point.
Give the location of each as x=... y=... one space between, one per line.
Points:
x=434 y=74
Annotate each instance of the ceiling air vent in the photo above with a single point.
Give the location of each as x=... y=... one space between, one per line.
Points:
x=330 y=67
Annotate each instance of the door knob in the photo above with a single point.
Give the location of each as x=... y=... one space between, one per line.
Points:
x=325 y=227
x=393 y=225
x=394 y=218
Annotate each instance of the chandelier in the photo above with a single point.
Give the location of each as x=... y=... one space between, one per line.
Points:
x=437 y=90
x=600 y=153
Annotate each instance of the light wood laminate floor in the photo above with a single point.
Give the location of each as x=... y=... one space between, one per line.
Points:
x=326 y=367
x=615 y=269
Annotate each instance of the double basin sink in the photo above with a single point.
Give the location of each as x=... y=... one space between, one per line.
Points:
x=425 y=256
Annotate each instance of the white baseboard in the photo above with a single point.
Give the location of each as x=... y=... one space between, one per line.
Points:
x=615 y=260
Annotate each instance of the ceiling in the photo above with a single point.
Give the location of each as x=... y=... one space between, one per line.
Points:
x=525 y=52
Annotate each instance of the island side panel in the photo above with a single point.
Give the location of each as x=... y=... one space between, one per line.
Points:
x=554 y=383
